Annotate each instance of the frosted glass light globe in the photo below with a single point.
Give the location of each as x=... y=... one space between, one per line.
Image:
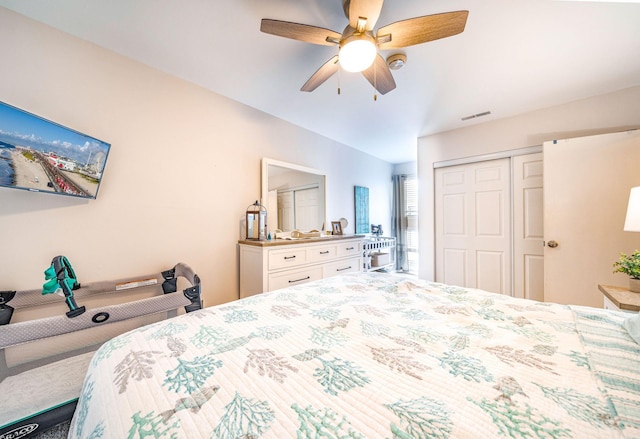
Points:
x=357 y=55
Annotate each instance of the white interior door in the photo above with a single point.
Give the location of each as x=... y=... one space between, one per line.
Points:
x=306 y=208
x=587 y=182
x=528 y=226
x=473 y=226
x=285 y=211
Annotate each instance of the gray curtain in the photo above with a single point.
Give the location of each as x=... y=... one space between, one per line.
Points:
x=399 y=222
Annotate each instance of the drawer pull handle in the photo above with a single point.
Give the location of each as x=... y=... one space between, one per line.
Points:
x=299 y=280
x=325 y=252
x=289 y=257
x=350 y=248
x=342 y=269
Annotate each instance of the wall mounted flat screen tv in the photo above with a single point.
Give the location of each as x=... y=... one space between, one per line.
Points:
x=43 y=156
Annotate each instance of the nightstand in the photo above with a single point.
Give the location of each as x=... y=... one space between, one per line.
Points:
x=620 y=299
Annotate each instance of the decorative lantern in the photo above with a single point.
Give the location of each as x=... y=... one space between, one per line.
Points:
x=256 y=221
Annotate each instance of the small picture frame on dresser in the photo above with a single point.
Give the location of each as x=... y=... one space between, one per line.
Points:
x=336 y=228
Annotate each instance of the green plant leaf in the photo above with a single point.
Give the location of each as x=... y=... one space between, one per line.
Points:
x=628 y=264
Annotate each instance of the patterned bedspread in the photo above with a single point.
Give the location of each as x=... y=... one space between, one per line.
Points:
x=368 y=356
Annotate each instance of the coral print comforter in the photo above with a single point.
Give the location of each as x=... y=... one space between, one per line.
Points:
x=368 y=356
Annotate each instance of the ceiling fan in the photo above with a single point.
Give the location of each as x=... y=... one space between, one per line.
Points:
x=359 y=43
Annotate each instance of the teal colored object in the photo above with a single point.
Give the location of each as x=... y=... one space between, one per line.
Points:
x=632 y=325
x=61 y=277
x=362 y=209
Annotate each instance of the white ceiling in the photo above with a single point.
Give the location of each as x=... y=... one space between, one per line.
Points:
x=514 y=56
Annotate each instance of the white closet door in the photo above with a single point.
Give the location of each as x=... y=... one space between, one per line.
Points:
x=285 y=211
x=307 y=210
x=473 y=225
x=528 y=237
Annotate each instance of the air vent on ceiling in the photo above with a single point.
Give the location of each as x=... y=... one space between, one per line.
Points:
x=473 y=116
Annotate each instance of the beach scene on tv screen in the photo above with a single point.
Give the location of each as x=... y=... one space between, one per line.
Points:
x=40 y=155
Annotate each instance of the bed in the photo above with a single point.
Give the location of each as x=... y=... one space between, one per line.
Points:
x=368 y=355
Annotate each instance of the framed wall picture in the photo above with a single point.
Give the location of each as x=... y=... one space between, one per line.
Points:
x=362 y=209
x=336 y=228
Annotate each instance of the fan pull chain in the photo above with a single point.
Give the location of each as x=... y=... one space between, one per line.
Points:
x=375 y=83
x=339 y=76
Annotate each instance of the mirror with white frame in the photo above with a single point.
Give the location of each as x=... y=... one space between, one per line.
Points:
x=294 y=195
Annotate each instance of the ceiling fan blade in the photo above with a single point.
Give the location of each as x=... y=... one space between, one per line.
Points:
x=369 y=9
x=421 y=29
x=322 y=74
x=380 y=76
x=302 y=32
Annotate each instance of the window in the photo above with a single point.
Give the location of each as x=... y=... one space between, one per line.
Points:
x=411 y=220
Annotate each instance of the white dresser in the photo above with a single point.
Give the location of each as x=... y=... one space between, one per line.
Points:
x=270 y=265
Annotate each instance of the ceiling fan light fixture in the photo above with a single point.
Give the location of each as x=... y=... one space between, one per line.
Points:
x=357 y=52
x=358 y=44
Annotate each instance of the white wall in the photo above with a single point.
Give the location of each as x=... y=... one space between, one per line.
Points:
x=408 y=168
x=596 y=115
x=183 y=167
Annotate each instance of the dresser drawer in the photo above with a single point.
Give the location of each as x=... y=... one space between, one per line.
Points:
x=267 y=266
x=292 y=257
x=322 y=253
x=344 y=266
x=350 y=249
x=290 y=278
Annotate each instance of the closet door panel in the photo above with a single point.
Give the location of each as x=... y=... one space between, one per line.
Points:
x=473 y=228
x=528 y=227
